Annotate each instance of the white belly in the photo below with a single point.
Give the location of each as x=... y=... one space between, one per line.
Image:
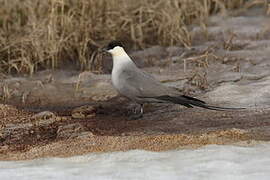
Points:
x=118 y=80
x=115 y=80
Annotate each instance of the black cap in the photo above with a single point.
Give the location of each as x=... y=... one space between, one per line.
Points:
x=113 y=44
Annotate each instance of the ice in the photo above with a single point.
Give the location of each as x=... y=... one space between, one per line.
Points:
x=218 y=162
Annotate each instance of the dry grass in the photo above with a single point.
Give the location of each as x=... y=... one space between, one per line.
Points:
x=47 y=34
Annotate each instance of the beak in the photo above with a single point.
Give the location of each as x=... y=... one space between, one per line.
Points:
x=103 y=50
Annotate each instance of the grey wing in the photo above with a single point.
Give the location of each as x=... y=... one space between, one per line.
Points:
x=140 y=85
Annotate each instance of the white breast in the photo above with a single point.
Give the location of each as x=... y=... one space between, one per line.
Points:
x=119 y=64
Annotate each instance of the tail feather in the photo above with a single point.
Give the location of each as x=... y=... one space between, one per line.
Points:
x=190 y=102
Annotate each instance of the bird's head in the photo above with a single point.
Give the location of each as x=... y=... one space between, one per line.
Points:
x=115 y=48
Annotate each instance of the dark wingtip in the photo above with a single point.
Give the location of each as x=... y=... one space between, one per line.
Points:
x=189 y=102
x=193 y=99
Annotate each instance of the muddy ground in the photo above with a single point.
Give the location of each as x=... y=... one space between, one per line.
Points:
x=66 y=112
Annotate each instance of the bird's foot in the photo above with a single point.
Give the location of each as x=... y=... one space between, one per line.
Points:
x=135 y=116
x=136 y=113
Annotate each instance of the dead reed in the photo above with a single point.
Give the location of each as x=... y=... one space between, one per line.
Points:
x=48 y=34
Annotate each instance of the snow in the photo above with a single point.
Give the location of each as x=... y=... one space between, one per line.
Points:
x=217 y=162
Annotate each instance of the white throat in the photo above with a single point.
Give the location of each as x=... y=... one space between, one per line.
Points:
x=120 y=58
x=118 y=51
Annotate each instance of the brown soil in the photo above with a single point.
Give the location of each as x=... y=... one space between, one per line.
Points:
x=108 y=127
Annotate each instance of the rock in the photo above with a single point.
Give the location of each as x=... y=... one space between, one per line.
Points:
x=175 y=51
x=150 y=56
x=86 y=111
x=44 y=118
x=72 y=130
x=229 y=77
x=43 y=115
x=256 y=94
x=16 y=132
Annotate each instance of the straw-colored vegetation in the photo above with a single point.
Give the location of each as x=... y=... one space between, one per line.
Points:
x=39 y=34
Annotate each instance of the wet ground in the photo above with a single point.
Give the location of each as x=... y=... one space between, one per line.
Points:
x=65 y=112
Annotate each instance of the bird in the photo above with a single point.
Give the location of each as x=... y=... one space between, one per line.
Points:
x=141 y=87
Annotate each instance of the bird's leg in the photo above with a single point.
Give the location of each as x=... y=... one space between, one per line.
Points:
x=141 y=110
x=137 y=114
